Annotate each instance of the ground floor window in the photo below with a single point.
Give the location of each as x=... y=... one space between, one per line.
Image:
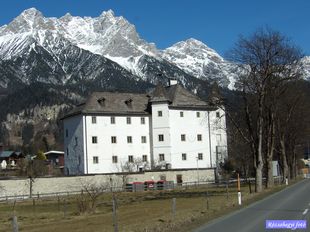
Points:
x=179 y=179
x=95 y=160
x=114 y=159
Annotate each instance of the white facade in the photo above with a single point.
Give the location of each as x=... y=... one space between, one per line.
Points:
x=97 y=149
x=167 y=137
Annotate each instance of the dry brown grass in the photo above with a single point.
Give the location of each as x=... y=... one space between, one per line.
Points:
x=146 y=211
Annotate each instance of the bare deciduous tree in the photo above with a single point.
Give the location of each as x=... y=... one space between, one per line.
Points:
x=127 y=168
x=267 y=60
x=91 y=191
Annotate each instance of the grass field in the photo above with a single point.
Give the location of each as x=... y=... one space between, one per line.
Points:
x=143 y=211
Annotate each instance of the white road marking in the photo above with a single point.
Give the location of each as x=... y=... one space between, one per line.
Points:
x=306 y=210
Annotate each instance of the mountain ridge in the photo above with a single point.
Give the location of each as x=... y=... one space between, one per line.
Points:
x=106 y=35
x=49 y=64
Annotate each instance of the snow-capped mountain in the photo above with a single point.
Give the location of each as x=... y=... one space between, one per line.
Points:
x=113 y=38
x=53 y=63
x=198 y=60
x=105 y=35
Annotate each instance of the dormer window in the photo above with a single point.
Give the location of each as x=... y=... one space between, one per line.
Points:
x=128 y=102
x=101 y=101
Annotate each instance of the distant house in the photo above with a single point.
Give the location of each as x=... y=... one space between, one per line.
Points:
x=169 y=128
x=10 y=157
x=55 y=157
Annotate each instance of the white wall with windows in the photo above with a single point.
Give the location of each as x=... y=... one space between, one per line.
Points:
x=218 y=136
x=120 y=139
x=189 y=139
x=169 y=137
x=161 y=134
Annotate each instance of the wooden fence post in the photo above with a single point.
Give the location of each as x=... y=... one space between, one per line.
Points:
x=173 y=207
x=58 y=202
x=65 y=208
x=34 y=205
x=14 y=223
x=207 y=200
x=227 y=190
x=115 y=224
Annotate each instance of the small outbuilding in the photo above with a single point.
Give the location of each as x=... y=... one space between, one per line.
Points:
x=55 y=157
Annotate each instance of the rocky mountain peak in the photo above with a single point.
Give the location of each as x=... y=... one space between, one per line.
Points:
x=29 y=20
x=67 y=17
x=197 y=59
x=194 y=43
x=31 y=13
x=194 y=48
x=107 y=14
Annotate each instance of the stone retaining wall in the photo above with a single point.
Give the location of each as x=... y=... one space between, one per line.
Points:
x=48 y=185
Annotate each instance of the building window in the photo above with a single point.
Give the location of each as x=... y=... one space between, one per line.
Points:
x=200 y=156
x=183 y=137
x=129 y=139
x=218 y=138
x=161 y=157
x=217 y=114
x=183 y=156
x=198 y=114
x=181 y=114
x=93 y=119
x=160 y=113
x=161 y=138
x=112 y=120
x=94 y=139
x=144 y=158
x=142 y=120
x=113 y=139
x=128 y=120
x=199 y=137
x=67 y=152
x=67 y=133
x=95 y=159
x=143 y=139
x=76 y=141
x=114 y=159
x=130 y=158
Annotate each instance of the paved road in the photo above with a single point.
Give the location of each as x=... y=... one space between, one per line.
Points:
x=292 y=203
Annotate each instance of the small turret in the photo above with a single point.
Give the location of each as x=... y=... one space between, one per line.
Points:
x=159 y=94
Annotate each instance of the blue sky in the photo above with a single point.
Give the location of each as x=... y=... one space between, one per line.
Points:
x=217 y=23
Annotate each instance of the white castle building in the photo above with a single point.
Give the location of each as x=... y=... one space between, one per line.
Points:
x=170 y=128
